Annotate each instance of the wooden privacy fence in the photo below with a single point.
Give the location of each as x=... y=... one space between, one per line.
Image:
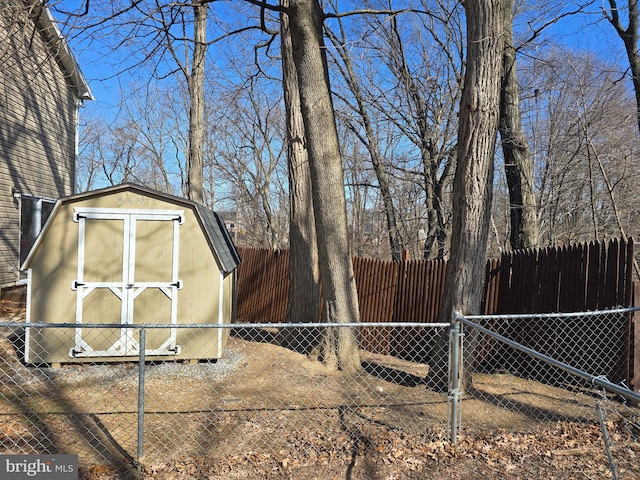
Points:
x=263 y=285
x=582 y=277
x=408 y=291
x=574 y=278
x=577 y=278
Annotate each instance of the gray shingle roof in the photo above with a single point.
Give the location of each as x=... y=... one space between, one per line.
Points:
x=219 y=237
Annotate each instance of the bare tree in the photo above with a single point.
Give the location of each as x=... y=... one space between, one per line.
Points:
x=583 y=165
x=413 y=82
x=629 y=37
x=517 y=158
x=246 y=140
x=171 y=41
x=304 y=272
x=155 y=144
x=368 y=139
x=89 y=164
x=340 y=304
x=518 y=163
x=368 y=222
x=473 y=182
x=195 y=81
x=138 y=146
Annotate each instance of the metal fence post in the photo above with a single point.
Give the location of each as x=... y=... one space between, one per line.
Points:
x=455 y=352
x=141 y=366
x=607 y=440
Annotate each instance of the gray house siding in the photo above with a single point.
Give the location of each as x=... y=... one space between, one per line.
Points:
x=38 y=116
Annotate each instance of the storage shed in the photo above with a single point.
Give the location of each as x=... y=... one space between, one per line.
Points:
x=129 y=255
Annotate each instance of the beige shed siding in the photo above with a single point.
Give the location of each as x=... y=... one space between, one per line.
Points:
x=198 y=300
x=55 y=271
x=37 y=128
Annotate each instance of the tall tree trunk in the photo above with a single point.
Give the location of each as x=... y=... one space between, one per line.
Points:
x=473 y=181
x=196 y=105
x=517 y=159
x=340 y=300
x=304 y=275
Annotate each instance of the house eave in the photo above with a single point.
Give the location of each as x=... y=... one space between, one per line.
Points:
x=49 y=28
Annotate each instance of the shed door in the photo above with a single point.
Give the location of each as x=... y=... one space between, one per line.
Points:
x=127 y=274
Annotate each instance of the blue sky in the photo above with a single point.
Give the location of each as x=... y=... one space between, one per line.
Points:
x=588 y=31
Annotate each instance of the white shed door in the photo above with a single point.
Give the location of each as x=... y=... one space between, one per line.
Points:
x=127 y=274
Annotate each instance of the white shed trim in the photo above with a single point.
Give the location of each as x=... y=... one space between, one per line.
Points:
x=221 y=310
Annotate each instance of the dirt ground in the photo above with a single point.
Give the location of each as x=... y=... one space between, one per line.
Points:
x=400 y=434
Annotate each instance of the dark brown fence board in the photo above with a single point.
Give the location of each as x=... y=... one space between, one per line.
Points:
x=547 y=287
x=546 y=280
x=514 y=281
x=281 y=286
x=424 y=292
x=593 y=276
x=625 y=266
x=602 y=280
x=408 y=293
x=398 y=306
x=572 y=295
x=536 y=287
x=503 y=284
x=376 y=283
x=492 y=280
x=418 y=292
x=529 y=279
x=263 y=284
x=621 y=274
x=567 y=276
x=553 y=292
x=634 y=329
x=611 y=273
x=628 y=288
x=440 y=274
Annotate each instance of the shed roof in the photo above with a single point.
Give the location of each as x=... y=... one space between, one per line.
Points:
x=213 y=227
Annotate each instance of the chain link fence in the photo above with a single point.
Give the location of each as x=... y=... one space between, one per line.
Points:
x=555 y=372
x=269 y=402
x=272 y=406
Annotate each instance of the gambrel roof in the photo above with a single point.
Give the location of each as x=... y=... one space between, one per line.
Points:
x=212 y=226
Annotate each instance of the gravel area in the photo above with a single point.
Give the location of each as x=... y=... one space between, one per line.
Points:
x=127 y=373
